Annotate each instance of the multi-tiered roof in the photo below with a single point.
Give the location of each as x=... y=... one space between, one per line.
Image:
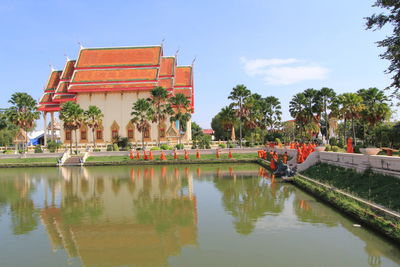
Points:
x=116 y=69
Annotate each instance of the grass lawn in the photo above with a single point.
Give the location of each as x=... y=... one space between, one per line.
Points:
x=378 y=188
x=29 y=160
x=192 y=157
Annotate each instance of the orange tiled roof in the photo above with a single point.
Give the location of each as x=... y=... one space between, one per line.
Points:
x=68 y=70
x=186 y=92
x=110 y=87
x=46 y=98
x=53 y=80
x=166 y=83
x=167 y=66
x=183 y=76
x=113 y=75
x=62 y=87
x=119 y=56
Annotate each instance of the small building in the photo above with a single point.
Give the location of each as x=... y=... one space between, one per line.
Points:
x=209 y=132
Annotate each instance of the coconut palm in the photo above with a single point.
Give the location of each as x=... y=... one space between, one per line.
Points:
x=161 y=107
x=182 y=112
x=142 y=115
x=23 y=112
x=271 y=112
x=72 y=116
x=228 y=119
x=352 y=106
x=238 y=95
x=326 y=96
x=93 y=118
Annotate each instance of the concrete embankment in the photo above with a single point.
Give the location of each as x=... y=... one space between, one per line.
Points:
x=370 y=214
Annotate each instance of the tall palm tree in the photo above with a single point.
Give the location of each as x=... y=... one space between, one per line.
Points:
x=326 y=95
x=93 y=118
x=23 y=112
x=161 y=107
x=238 y=95
x=352 y=106
x=271 y=112
x=182 y=112
x=228 y=119
x=72 y=116
x=298 y=110
x=142 y=115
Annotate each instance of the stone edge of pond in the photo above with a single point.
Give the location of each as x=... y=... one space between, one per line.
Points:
x=169 y=162
x=27 y=165
x=368 y=214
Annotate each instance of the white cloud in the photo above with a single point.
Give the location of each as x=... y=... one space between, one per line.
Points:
x=275 y=72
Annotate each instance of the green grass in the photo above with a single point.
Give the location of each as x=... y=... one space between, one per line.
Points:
x=180 y=157
x=378 y=188
x=29 y=160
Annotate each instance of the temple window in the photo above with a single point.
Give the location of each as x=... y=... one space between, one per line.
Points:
x=146 y=133
x=99 y=134
x=114 y=130
x=114 y=134
x=68 y=135
x=130 y=133
x=83 y=133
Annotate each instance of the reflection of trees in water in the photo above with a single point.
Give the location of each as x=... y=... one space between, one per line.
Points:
x=249 y=200
x=16 y=192
x=75 y=209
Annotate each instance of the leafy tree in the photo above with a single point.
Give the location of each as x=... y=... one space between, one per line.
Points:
x=23 y=111
x=239 y=95
x=93 y=118
x=197 y=133
x=182 y=112
x=142 y=115
x=391 y=43
x=270 y=108
x=72 y=116
x=228 y=119
x=352 y=106
x=161 y=107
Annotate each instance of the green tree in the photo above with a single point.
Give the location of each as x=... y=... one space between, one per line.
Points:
x=390 y=43
x=182 y=112
x=93 y=118
x=270 y=108
x=228 y=119
x=23 y=111
x=161 y=107
x=72 y=116
x=239 y=95
x=142 y=115
x=352 y=106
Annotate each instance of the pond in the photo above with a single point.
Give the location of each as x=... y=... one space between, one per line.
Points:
x=186 y=215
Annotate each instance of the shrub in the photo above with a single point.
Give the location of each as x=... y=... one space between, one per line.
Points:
x=155 y=148
x=204 y=142
x=328 y=148
x=8 y=151
x=340 y=143
x=165 y=147
x=357 y=148
x=231 y=145
x=222 y=146
x=109 y=148
x=53 y=146
x=333 y=141
x=277 y=140
x=38 y=149
x=115 y=147
x=179 y=146
x=335 y=148
x=96 y=150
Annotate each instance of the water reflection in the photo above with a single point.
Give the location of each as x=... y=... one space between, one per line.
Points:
x=141 y=216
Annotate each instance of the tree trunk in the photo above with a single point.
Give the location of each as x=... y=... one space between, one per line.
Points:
x=158 y=134
x=143 y=140
x=70 y=144
x=94 y=138
x=354 y=131
x=344 y=131
x=326 y=124
x=76 y=142
x=240 y=124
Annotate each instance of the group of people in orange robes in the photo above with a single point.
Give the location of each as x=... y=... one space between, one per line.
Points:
x=303 y=150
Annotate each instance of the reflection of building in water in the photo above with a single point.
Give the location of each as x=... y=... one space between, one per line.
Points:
x=133 y=217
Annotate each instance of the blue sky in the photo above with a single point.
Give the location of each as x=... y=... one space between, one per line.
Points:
x=275 y=48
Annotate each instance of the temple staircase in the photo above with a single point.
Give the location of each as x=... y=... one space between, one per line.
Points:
x=73 y=161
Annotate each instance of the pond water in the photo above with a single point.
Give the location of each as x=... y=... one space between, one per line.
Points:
x=188 y=215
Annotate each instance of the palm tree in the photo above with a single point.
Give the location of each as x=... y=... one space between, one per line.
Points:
x=377 y=107
x=271 y=112
x=238 y=95
x=23 y=112
x=228 y=119
x=72 y=116
x=326 y=95
x=142 y=114
x=352 y=106
x=298 y=110
x=93 y=119
x=182 y=112
x=161 y=107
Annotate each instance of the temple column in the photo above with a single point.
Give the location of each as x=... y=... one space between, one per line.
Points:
x=52 y=126
x=45 y=128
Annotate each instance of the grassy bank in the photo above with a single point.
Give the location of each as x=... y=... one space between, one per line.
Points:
x=389 y=226
x=378 y=188
x=29 y=160
x=170 y=158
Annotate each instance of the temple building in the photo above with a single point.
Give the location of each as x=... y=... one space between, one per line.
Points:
x=113 y=79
